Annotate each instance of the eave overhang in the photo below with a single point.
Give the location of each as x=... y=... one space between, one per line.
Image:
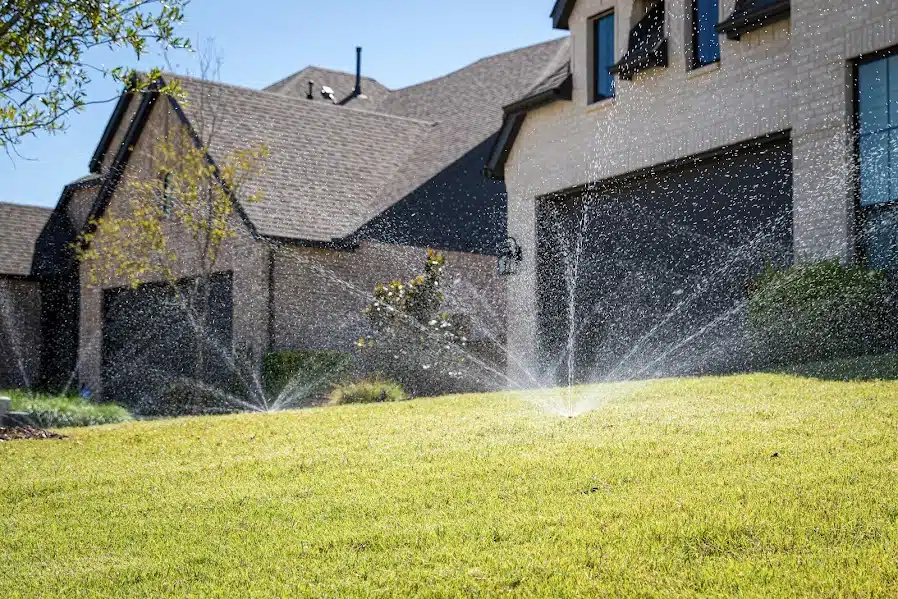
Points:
x=561 y=12
x=514 y=118
x=112 y=126
x=749 y=15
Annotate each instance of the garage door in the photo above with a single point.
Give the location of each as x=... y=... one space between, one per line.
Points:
x=151 y=339
x=648 y=277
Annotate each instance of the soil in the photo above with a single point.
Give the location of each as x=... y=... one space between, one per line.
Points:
x=15 y=433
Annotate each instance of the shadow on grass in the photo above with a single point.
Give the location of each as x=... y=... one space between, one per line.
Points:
x=863 y=368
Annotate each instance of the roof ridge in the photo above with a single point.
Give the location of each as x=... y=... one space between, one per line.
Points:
x=312 y=66
x=298 y=100
x=480 y=60
x=26 y=206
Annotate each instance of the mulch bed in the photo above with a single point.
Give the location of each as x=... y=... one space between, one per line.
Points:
x=15 y=433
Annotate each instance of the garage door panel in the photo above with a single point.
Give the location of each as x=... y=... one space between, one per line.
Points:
x=661 y=263
x=152 y=337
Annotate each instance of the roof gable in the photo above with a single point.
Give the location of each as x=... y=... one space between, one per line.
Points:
x=326 y=162
x=118 y=113
x=555 y=83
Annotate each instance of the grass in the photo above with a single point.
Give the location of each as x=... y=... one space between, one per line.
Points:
x=60 y=411
x=757 y=486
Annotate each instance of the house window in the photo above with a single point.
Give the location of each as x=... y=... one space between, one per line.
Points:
x=167 y=194
x=705 y=43
x=877 y=121
x=603 y=57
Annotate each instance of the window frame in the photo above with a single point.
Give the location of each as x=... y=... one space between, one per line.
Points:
x=861 y=212
x=694 y=62
x=594 y=95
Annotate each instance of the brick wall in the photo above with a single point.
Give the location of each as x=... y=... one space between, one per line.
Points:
x=20 y=332
x=792 y=74
x=80 y=204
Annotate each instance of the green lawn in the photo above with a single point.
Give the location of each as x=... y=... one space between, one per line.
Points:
x=761 y=485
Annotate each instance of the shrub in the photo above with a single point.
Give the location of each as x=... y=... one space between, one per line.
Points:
x=60 y=411
x=414 y=341
x=307 y=372
x=819 y=311
x=371 y=391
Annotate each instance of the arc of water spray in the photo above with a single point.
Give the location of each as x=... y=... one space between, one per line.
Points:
x=699 y=289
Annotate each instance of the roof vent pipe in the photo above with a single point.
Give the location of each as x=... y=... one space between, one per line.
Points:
x=310 y=95
x=358 y=72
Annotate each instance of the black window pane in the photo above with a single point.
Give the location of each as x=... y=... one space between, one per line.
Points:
x=873 y=97
x=877 y=119
x=707 y=44
x=604 y=57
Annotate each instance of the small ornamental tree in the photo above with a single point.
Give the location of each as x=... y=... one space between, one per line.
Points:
x=187 y=194
x=413 y=339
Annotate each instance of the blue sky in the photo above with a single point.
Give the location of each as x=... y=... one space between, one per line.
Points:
x=404 y=41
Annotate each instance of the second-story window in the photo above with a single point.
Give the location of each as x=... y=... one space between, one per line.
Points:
x=705 y=43
x=603 y=56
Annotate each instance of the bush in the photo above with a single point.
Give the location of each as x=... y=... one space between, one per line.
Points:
x=372 y=391
x=308 y=373
x=413 y=340
x=819 y=311
x=60 y=411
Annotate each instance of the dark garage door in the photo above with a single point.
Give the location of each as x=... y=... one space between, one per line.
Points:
x=648 y=276
x=151 y=339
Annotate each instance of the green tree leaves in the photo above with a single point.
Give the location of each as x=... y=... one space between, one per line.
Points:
x=44 y=48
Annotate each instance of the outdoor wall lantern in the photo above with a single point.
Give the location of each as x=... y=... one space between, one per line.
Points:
x=510 y=256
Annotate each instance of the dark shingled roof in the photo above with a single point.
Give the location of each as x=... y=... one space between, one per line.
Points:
x=466 y=106
x=342 y=83
x=328 y=164
x=20 y=227
x=334 y=168
x=749 y=15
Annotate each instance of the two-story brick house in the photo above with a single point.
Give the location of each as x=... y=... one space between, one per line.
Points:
x=679 y=146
